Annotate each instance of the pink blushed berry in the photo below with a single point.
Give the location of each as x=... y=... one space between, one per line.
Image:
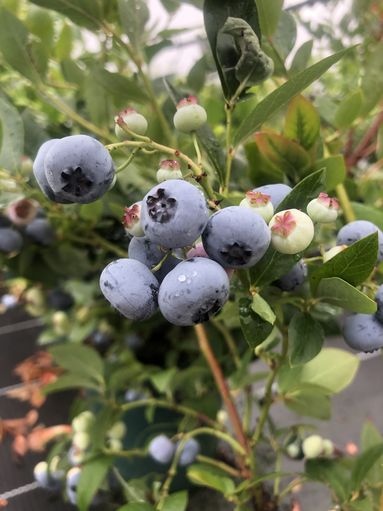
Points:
x=260 y=203
x=132 y=120
x=169 y=169
x=323 y=209
x=132 y=220
x=292 y=231
x=190 y=116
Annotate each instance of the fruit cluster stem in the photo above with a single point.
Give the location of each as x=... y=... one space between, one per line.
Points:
x=345 y=203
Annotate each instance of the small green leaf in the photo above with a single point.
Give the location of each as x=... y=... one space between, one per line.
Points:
x=304 y=191
x=163 y=379
x=354 y=264
x=269 y=13
x=285 y=35
x=309 y=401
x=301 y=57
x=176 y=502
x=134 y=15
x=305 y=338
x=379 y=145
x=330 y=472
x=281 y=96
x=80 y=360
x=64 y=44
x=12 y=136
x=348 y=110
x=339 y=292
x=364 y=464
x=365 y=212
x=86 y=13
x=263 y=309
x=93 y=474
x=136 y=506
x=302 y=122
x=254 y=328
x=71 y=381
x=335 y=170
x=272 y=266
x=371 y=437
x=211 y=477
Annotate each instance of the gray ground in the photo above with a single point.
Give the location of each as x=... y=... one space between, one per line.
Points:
x=361 y=401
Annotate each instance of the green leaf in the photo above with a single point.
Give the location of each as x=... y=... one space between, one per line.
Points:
x=92 y=211
x=272 y=266
x=225 y=53
x=339 y=292
x=348 y=110
x=281 y=96
x=269 y=13
x=286 y=154
x=12 y=136
x=86 y=13
x=364 y=212
x=260 y=169
x=80 y=360
x=64 y=44
x=330 y=472
x=286 y=34
x=92 y=476
x=309 y=401
x=263 y=309
x=379 y=145
x=134 y=15
x=176 y=502
x=15 y=46
x=371 y=437
x=335 y=170
x=304 y=191
x=372 y=80
x=213 y=149
x=301 y=57
x=40 y=23
x=254 y=328
x=306 y=338
x=163 y=379
x=197 y=74
x=211 y=477
x=302 y=122
x=364 y=464
x=71 y=381
x=354 y=264
x=136 y=506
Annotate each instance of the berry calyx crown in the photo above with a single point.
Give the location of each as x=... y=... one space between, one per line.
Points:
x=327 y=201
x=284 y=224
x=170 y=165
x=190 y=100
x=257 y=199
x=131 y=215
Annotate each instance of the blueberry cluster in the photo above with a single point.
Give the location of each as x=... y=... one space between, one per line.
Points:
x=162 y=449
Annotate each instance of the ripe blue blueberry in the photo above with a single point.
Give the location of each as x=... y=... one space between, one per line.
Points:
x=189 y=452
x=235 y=237
x=294 y=278
x=40 y=231
x=134 y=395
x=161 y=449
x=195 y=290
x=4 y=221
x=41 y=178
x=174 y=214
x=363 y=332
x=379 y=301
x=355 y=231
x=150 y=254
x=131 y=288
x=10 y=240
x=277 y=192
x=79 y=168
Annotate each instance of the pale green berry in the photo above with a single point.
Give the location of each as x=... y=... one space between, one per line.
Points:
x=333 y=252
x=260 y=204
x=60 y=322
x=132 y=220
x=190 y=116
x=169 y=169
x=293 y=450
x=118 y=430
x=81 y=440
x=328 y=448
x=133 y=120
x=55 y=471
x=115 y=444
x=73 y=477
x=292 y=231
x=41 y=474
x=83 y=422
x=312 y=446
x=323 y=209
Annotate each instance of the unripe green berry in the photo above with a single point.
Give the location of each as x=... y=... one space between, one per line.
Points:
x=293 y=450
x=81 y=440
x=133 y=120
x=312 y=446
x=292 y=231
x=323 y=209
x=328 y=447
x=260 y=204
x=190 y=116
x=115 y=444
x=132 y=220
x=55 y=471
x=333 y=252
x=118 y=430
x=169 y=169
x=41 y=474
x=83 y=422
x=60 y=323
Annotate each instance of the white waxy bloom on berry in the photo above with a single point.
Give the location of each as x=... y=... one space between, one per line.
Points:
x=190 y=115
x=260 y=203
x=323 y=209
x=333 y=252
x=312 y=446
x=169 y=169
x=132 y=220
x=41 y=474
x=292 y=231
x=134 y=121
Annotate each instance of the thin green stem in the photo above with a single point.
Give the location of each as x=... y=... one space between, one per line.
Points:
x=132 y=453
x=197 y=149
x=97 y=241
x=131 y=157
x=230 y=151
x=159 y=265
x=219 y=464
x=345 y=203
x=229 y=341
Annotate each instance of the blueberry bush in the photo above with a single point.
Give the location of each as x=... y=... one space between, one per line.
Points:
x=183 y=253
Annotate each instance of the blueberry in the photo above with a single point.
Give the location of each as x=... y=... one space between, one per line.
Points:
x=277 y=192
x=190 y=116
x=379 y=301
x=101 y=341
x=363 y=332
x=150 y=254
x=355 y=231
x=133 y=341
x=40 y=231
x=79 y=168
x=4 y=221
x=41 y=178
x=134 y=395
x=294 y=278
x=161 y=449
x=189 y=452
x=10 y=240
x=131 y=288
x=174 y=214
x=60 y=300
x=41 y=474
x=235 y=237
x=195 y=290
